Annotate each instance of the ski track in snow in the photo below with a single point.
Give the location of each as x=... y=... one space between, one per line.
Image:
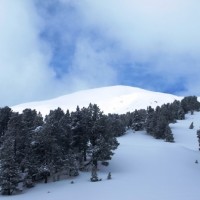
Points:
x=142 y=168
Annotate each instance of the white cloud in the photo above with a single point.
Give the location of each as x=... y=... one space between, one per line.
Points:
x=91 y=66
x=165 y=33
x=147 y=24
x=25 y=58
x=24 y=72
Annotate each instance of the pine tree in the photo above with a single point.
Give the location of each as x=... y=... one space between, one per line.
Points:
x=31 y=121
x=16 y=130
x=160 y=128
x=168 y=134
x=181 y=114
x=71 y=164
x=150 y=121
x=102 y=141
x=191 y=126
x=81 y=126
x=118 y=127
x=53 y=158
x=174 y=108
x=190 y=103
x=109 y=176
x=9 y=168
x=198 y=136
x=5 y=114
x=94 y=177
x=137 y=121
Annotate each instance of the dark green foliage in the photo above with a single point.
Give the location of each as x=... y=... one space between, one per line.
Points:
x=157 y=123
x=81 y=126
x=160 y=128
x=9 y=168
x=135 y=120
x=50 y=141
x=198 y=136
x=116 y=124
x=174 y=109
x=62 y=143
x=101 y=137
x=158 y=120
x=190 y=103
x=5 y=114
x=31 y=121
x=16 y=131
x=150 y=121
x=181 y=114
x=168 y=134
x=138 y=120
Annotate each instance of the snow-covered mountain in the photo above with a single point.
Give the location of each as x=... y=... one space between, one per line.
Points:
x=142 y=168
x=114 y=99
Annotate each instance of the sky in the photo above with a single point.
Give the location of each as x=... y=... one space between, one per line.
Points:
x=54 y=47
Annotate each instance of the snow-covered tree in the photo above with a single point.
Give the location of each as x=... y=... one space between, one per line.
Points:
x=198 y=136
x=168 y=134
x=5 y=114
x=138 y=120
x=102 y=141
x=190 y=103
x=150 y=121
x=9 y=168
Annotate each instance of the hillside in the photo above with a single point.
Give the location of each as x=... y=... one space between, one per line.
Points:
x=114 y=99
x=142 y=168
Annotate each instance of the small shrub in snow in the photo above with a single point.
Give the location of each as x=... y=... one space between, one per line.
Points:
x=109 y=176
x=191 y=126
x=198 y=136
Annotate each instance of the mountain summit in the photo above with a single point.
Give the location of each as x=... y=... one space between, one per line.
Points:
x=114 y=99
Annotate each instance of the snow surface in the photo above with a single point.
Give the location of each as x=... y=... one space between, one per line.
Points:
x=143 y=168
x=114 y=99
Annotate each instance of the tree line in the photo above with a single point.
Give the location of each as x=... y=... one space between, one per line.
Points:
x=156 y=121
x=34 y=148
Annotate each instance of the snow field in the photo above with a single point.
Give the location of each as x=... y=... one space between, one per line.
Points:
x=142 y=168
x=113 y=99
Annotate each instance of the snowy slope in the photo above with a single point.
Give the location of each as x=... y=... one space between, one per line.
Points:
x=142 y=169
x=114 y=99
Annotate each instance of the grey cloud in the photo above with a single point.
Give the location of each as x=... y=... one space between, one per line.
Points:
x=165 y=33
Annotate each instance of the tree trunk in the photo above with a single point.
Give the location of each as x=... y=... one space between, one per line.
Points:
x=45 y=179
x=84 y=154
